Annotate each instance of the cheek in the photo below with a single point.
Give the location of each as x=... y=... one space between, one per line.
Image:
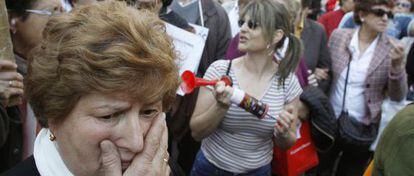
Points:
x=146 y=124
x=33 y=30
x=79 y=141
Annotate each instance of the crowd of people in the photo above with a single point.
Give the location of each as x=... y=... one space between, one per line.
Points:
x=93 y=87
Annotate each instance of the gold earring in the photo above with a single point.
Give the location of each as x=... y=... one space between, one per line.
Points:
x=52 y=137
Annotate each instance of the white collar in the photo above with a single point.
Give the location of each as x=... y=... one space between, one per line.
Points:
x=47 y=157
x=354 y=44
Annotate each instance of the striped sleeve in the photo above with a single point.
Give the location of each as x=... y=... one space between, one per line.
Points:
x=293 y=88
x=216 y=70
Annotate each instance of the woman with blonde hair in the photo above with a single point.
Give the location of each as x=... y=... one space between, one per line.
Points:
x=91 y=85
x=233 y=140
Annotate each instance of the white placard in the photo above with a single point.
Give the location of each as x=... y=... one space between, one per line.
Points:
x=189 y=48
x=200 y=31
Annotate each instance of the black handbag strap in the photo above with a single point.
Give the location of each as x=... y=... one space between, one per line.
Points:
x=228 y=68
x=346 y=84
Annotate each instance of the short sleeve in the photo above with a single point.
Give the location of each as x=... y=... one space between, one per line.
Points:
x=216 y=70
x=292 y=88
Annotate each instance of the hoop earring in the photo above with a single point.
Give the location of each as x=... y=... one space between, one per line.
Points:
x=52 y=137
x=271 y=51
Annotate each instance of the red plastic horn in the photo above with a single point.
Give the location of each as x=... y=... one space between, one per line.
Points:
x=190 y=81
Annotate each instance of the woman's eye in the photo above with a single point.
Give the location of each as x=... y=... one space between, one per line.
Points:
x=148 y=113
x=111 y=116
x=107 y=117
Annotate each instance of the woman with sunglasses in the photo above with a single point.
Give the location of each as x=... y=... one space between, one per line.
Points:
x=233 y=140
x=404 y=6
x=367 y=65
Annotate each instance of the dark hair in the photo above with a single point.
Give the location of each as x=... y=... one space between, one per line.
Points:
x=273 y=16
x=412 y=6
x=306 y=3
x=18 y=7
x=366 y=5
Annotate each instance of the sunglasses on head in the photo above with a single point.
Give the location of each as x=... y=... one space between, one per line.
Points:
x=381 y=13
x=250 y=24
x=404 y=5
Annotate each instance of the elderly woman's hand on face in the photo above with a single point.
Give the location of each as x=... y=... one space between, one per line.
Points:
x=153 y=160
x=11 y=83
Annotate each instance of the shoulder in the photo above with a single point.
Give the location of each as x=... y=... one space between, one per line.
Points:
x=219 y=64
x=26 y=167
x=315 y=25
x=341 y=35
x=211 y=8
x=326 y=16
x=217 y=68
x=342 y=32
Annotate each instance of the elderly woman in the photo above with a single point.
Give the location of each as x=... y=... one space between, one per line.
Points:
x=233 y=140
x=367 y=64
x=91 y=85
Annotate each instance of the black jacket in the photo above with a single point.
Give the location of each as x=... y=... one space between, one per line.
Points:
x=410 y=66
x=322 y=118
x=25 y=168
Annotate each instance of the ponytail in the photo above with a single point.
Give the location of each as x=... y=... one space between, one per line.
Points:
x=292 y=57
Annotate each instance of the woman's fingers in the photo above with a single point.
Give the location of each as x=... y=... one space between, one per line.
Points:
x=223 y=93
x=144 y=161
x=312 y=80
x=10 y=75
x=321 y=73
x=160 y=162
x=110 y=159
x=396 y=54
x=7 y=65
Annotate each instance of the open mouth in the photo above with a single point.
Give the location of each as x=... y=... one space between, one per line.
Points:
x=242 y=39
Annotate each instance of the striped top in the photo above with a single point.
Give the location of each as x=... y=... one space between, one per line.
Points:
x=242 y=142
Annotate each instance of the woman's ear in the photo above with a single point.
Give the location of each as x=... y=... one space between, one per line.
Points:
x=362 y=16
x=277 y=36
x=51 y=125
x=13 y=25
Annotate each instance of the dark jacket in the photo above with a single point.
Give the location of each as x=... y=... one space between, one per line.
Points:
x=219 y=34
x=410 y=65
x=26 y=168
x=322 y=117
x=11 y=129
x=316 y=52
x=394 y=153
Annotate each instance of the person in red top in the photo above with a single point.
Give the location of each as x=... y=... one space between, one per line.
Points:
x=332 y=19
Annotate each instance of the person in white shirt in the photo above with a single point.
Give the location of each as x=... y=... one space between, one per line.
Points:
x=368 y=64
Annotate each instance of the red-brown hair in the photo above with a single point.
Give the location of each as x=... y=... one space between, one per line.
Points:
x=107 y=47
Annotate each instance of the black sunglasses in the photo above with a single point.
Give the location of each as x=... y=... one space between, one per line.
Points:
x=250 y=24
x=381 y=13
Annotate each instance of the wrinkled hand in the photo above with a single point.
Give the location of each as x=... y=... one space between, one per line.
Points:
x=223 y=93
x=397 y=57
x=321 y=73
x=152 y=161
x=11 y=83
x=312 y=80
x=284 y=122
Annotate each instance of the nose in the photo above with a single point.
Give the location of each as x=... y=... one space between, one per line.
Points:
x=132 y=133
x=244 y=27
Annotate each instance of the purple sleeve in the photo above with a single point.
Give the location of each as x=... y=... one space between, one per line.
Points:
x=302 y=73
x=232 y=51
